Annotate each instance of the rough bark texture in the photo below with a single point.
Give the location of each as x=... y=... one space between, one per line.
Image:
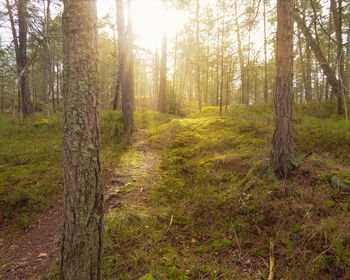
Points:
x=282 y=152
x=162 y=87
x=82 y=240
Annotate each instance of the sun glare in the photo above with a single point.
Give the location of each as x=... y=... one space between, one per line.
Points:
x=150 y=19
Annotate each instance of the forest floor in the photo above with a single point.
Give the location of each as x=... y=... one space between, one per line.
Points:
x=186 y=198
x=31 y=254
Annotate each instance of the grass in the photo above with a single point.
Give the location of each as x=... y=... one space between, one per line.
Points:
x=214 y=213
x=31 y=176
x=222 y=209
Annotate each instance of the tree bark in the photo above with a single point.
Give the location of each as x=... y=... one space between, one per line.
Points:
x=82 y=241
x=282 y=152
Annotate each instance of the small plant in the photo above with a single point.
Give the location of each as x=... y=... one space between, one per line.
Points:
x=40 y=123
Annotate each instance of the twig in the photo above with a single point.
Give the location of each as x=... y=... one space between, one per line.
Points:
x=171 y=222
x=272 y=260
x=237 y=240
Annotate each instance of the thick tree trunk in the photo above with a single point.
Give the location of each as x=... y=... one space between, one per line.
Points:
x=282 y=152
x=162 y=87
x=82 y=242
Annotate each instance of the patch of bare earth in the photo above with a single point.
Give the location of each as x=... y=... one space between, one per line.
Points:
x=32 y=253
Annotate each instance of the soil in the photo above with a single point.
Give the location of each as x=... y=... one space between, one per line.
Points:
x=31 y=254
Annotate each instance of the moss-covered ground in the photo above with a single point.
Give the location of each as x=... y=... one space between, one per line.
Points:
x=217 y=208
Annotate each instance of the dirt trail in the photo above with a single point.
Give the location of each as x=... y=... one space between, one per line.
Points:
x=31 y=254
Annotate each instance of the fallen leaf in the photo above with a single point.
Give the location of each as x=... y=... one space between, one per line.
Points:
x=41 y=255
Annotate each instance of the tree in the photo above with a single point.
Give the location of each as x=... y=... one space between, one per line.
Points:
x=127 y=98
x=282 y=152
x=162 y=86
x=82 y=240
x=20 y=43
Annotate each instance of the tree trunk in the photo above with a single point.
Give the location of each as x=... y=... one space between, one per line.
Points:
x=282 y=152
x=337 y=10
x=199 y=97
x=20 y=44
x=241 y=59
x=2 y=94
x=127 y=102
x=82 y=241
x=49 y=54
x=327 y=70
x=266 y=98
x=162 y=87
x=131 y=74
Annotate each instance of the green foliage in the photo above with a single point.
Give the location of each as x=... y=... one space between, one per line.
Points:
x=40 y=123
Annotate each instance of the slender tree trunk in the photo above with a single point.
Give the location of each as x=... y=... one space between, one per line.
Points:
x=34 y=87
x=127 y=102
x=266 y=98
x=82 y=241
x=156 y=78
x=162 y=87
x=58 y=82
x=199 y=97
x=2 y=93
x=327 y=70
x=49 y=54
x=302 y=65
x=174 y=81
x=217 y=68
x=241 y=59
x=20 y=43
x=222 y=64
x=282 y=152
x=308 y=84
x=131 y=71
x=337 y=9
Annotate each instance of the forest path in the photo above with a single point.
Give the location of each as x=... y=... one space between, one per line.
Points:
x=31 y=254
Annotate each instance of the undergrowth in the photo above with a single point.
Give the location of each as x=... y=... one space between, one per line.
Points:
x=31 y=178
x=216 y=211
